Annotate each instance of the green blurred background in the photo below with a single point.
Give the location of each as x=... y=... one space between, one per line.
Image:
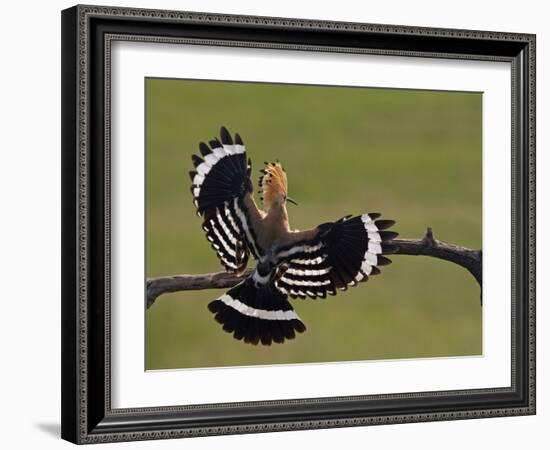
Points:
x=415 y=156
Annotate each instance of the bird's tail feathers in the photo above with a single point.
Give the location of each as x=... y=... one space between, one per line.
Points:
x=256 y=315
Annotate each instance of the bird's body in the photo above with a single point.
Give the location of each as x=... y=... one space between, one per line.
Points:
x=312 y=263
x=275 y=230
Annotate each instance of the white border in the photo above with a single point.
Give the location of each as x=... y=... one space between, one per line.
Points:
x=133 y=387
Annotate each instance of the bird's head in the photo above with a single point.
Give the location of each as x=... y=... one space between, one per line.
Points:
x=274 y=186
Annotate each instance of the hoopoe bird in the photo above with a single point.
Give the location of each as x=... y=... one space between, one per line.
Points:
x=289 y=263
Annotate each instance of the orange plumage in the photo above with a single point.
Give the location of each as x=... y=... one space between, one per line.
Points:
x=273 y=184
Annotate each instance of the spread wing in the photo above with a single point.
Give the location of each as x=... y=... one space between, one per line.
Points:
x=340 y=254
x=222 y=194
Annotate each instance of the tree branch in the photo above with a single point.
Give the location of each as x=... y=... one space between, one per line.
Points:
x=176 y=283
x=427 y=246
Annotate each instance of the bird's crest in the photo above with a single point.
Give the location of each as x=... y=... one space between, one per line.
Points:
x=273 y=183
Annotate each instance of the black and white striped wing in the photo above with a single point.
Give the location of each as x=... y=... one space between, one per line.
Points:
x=220 y=183
x=342 y=254
x=224 y=232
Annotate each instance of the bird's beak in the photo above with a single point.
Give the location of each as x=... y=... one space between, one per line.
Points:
x=288 y=199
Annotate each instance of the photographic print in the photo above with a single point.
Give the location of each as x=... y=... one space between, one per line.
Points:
x=349 y=206
x=291 y=224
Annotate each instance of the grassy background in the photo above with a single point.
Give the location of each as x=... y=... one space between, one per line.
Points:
x=415 y=156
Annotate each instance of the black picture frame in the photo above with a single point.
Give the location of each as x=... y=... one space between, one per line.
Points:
x=87 y=416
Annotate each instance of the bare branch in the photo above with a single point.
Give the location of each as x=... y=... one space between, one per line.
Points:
x=176 y=283
x=427 y=246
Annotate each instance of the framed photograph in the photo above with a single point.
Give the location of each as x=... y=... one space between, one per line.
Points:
x=280 y=224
